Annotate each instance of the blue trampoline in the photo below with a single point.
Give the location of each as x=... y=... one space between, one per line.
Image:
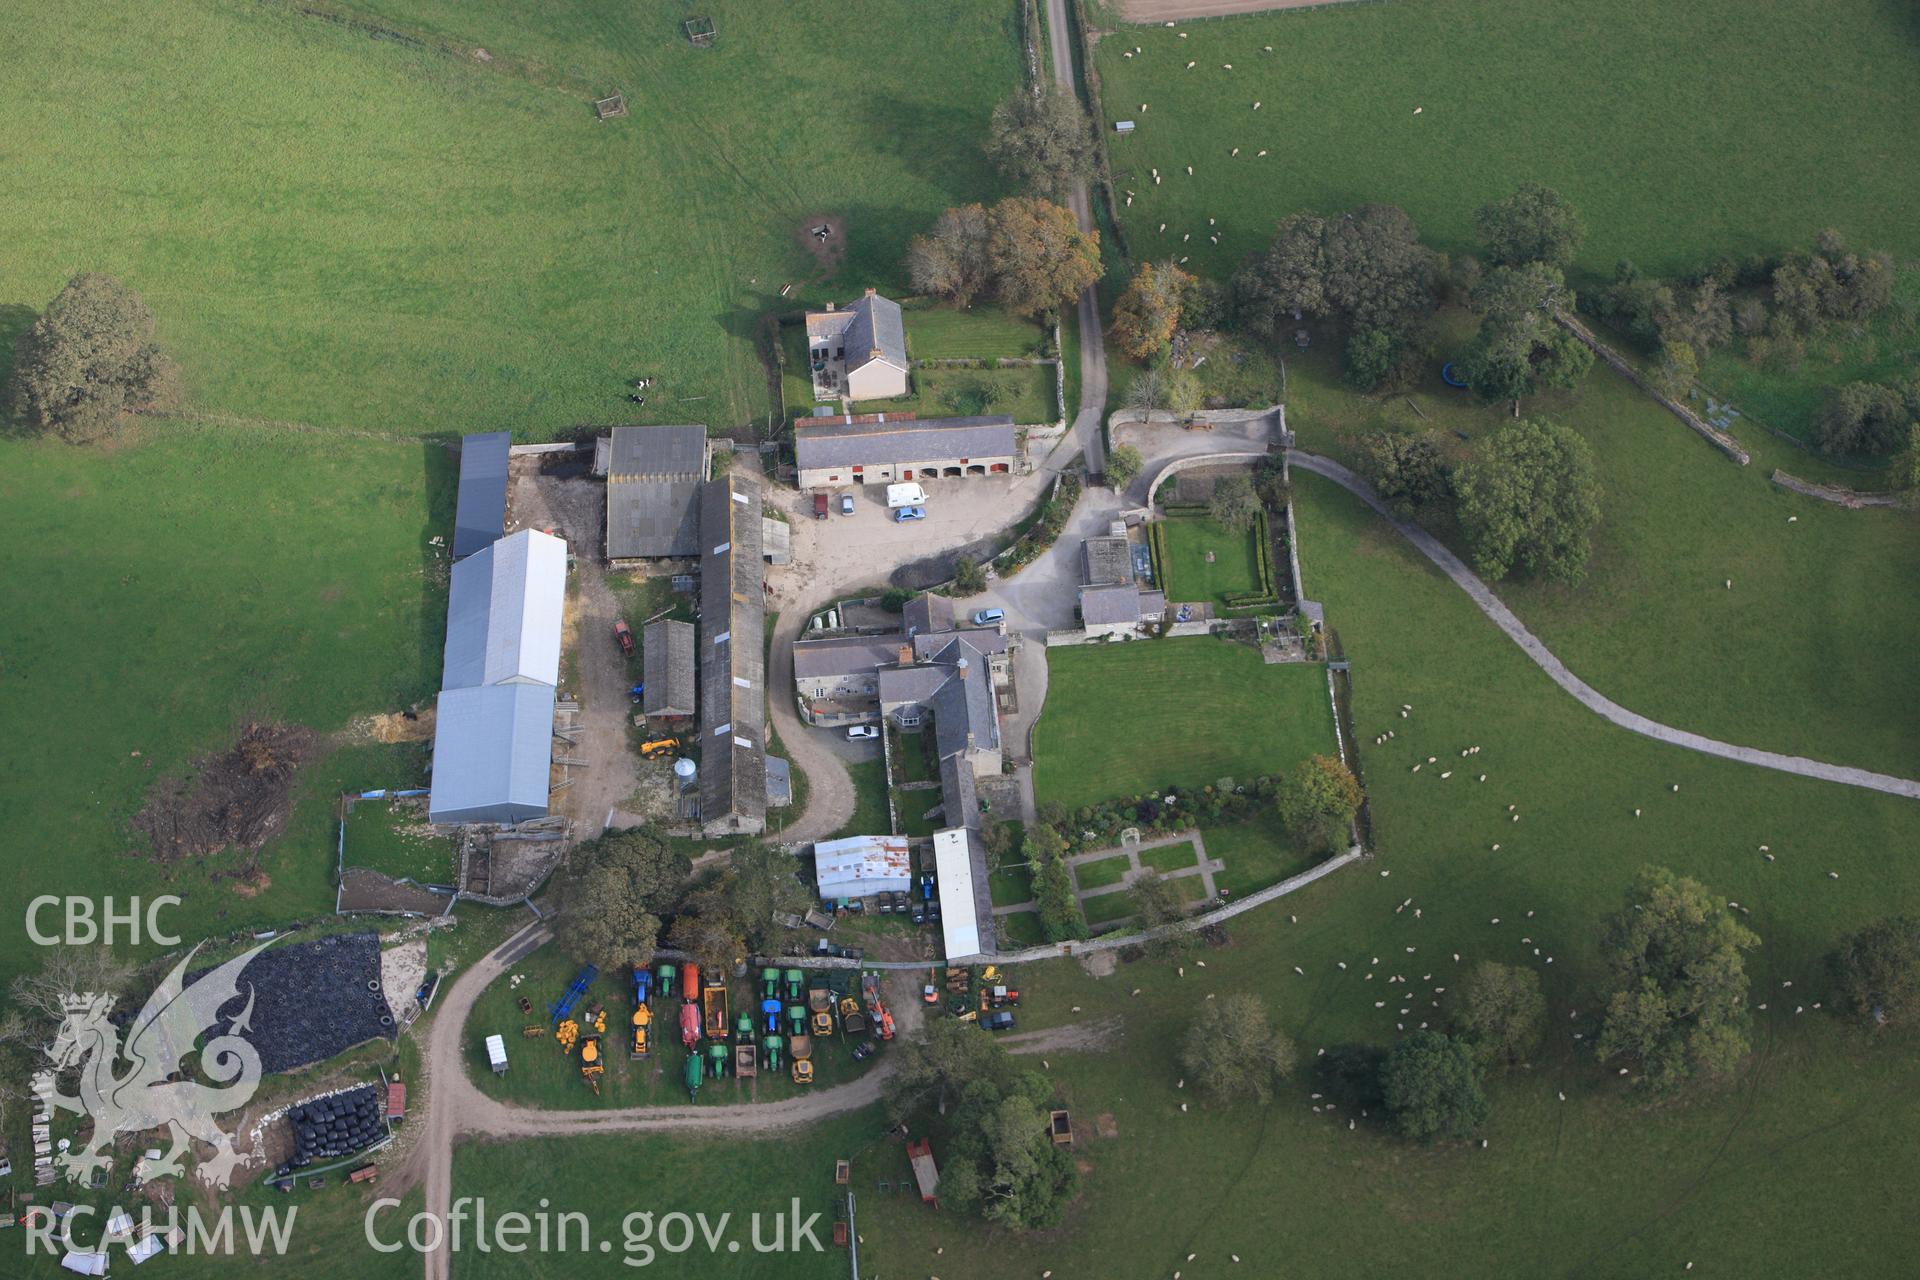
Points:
x=1451 y=376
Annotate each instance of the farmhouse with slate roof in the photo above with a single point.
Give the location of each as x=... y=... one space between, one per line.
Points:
x=863 y=349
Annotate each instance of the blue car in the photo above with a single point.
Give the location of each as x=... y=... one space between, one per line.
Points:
x=905 y=514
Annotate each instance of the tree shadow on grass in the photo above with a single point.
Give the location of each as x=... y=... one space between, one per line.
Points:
x=15 y=320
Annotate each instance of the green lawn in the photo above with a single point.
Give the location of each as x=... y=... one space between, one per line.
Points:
x=1011 y=884
x=938 y=332
x=1670 y=130
x=1258 y=852
x=1123 y=718
x=1020 y=929
x=178 y=587
x=1805 y=654
x=1024 y=392
x=1101 y=872
x=1234 y=569
x=391 y=837
x=461 y=242
x=1170 y=857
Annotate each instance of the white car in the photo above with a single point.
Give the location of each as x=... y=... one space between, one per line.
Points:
x=862 y=732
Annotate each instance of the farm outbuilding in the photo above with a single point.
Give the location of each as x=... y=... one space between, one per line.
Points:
x=733 y=668
x=667 y=669
x=861 y=866
x=966 y=907
x=492 y=754
x=503 y=613
x=654 y=476
x=881 y=448
x=481 y=513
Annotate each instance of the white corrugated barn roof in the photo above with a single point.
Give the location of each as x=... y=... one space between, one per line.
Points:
x=953 y=865
x=492 y=754
x=503 y=613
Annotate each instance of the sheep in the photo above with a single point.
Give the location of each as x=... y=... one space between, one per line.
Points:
x=1126 y=55
x=1729 y=584
x=1516 y=817
x=1676 y=786
x=1129 y=202
x=1256 y=106
x=1403 y=715
x=1186 y=236
x=1793 y=519
x=1343 y=965
x=1416 y=768
x=1563 y=1095
x=1192 y=65
x=1236 y=151
x=1636 y=813
x=1156 y=179
x=1302 y=972
x=1769 y=857
x=1833 y=875
x=1483 y=777
x=1432 y=760
x=1163 y=228
x=1418 y=110
x=1226 y=66
x=1263 y=151
x=1447 y=774
x=1189 y=171
x=1495 y=849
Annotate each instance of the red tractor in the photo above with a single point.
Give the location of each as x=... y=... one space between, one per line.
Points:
x=624 y=634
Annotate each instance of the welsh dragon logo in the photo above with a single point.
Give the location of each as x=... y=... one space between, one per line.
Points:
x=151 y=1094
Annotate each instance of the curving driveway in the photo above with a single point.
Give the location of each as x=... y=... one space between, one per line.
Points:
x=1591 y=698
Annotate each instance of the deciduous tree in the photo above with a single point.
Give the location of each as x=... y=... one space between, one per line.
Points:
x=1409 y=470
x=1042 y=142
x=1534 y=224
x=1677 y=982
x=1868 y=418
x=1317 y=801
x=614 y=894
x=1053 y=891
x=1039 y=257
x=1432 y=1087
x=1502 y=1011
x=1157 y=906
x=1234 y=505
x=88 y=359
x=1232 y=1051
x=951 y=261
x=935 y=1064
x=1530 y=502
x=1367 y=267
x=1876 y=971
x=1149 y=311
x=1123 y=464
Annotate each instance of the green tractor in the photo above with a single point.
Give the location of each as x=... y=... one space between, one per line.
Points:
x=717 y=1055
x=743 y=1029
x=770 y=1050
x=796 y=1019
x=769 y=983
x=796 y=982
x=691 y=1074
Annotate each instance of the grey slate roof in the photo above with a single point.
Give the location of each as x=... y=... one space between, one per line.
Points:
x=481 y=513
x=838 y=443
x=667 y=668
x=876 y=326
x=732 y=647
x=1109 y=561
x=927 y=612
x=843 y=656
x=659 y=453
x=964 y=705
x=492 y=753
x=779 y=783
x=987 y=640
x=653 y=492
x=959 y=795
x=902 y=685
x=1108 y=606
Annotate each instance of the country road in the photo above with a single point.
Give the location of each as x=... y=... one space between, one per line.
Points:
x=1093 y=350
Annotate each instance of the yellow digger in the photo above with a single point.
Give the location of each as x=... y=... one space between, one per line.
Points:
x=659 y=747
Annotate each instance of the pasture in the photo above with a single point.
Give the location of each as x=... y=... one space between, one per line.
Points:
x=179 y=587
x=1804 y=654
x=1121 y=719
x=1681 y=133
x=396 y=235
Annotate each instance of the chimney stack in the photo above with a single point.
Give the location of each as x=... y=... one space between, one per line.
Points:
x=869 y=291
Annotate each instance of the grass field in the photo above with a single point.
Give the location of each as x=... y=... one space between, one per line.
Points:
x=401 y=239
x=1234 y=570
x=1803 y=655
x=179 y=587
x=1100 y=872
x=392 y=841
x=1122 y=718
x=1672 y=134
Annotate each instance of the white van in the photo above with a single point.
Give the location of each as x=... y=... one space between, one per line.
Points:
x=905 y=495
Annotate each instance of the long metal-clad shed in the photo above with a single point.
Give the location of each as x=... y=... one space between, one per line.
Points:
x=481 y=514
x=860 y=866
x=503 y=613
x=492 y=753
x=966 y=905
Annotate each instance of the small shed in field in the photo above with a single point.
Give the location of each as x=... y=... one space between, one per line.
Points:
x=926 y=1174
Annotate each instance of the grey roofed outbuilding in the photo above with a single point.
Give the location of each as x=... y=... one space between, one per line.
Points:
x=481 y=512
x=779 y=783
x=658 y=453
x=733 y=675
x=927 y=612
x=836 y=442
x=987 y=640
x=911 y=685
x=667 y=668
x=1109 y=561
x=492 y=754
x=653 y=492
x=776 y=541
x=504 y=610
x=1109 y=606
